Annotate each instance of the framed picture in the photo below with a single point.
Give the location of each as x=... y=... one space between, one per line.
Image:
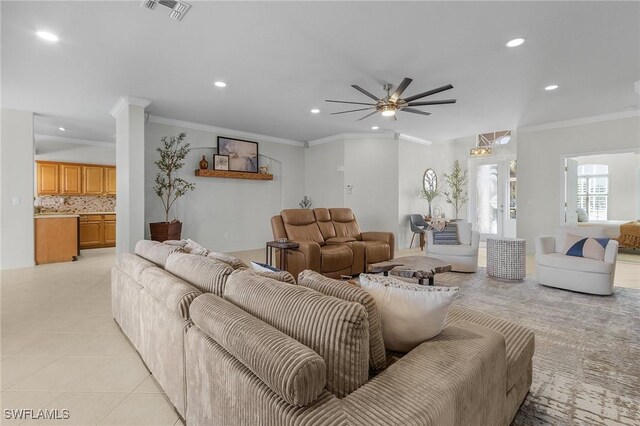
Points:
x=220 y=162
x=243 y=155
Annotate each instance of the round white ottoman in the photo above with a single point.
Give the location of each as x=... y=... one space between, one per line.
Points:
x=507 y=258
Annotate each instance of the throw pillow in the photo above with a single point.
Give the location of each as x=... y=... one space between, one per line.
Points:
x=448 y=235
x=410 y=313
x=592 y=248
x=263 y=267
x=194 y=248
x=582 y=215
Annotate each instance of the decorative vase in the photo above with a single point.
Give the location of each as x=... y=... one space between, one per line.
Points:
x=204 y=164
x=163 y=231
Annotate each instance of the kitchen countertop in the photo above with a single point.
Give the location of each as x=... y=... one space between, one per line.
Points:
x=54 y=215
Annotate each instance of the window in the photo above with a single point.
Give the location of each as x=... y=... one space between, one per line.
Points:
x=494 y=138
x=593 y=190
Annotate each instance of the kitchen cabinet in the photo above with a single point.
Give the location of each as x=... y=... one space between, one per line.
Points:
x=70 y=179
x=55 y=178
x=56 y=238
x=97 y=230
x=93 y=180
x=48 y=178
x=110 y=180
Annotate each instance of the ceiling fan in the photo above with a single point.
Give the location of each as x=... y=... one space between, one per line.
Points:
x=392 y=103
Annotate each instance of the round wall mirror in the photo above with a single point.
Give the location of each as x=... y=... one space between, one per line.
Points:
x=430 y=181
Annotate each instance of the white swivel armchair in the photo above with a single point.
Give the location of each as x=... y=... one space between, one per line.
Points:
x=555 y=269
x=464 y=256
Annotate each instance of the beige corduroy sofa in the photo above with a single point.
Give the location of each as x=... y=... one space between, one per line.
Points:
x=231 y=347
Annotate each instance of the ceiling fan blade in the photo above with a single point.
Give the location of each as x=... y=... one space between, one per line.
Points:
x=351 y=110
x=367 y=116
x=348 y=102
x=401 y=88
x=361 y=90
x=415 y=111
x=394 y=118
x=428 y=93
x=442 y=102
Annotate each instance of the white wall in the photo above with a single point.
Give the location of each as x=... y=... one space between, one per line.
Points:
x=324 y=174
x=226 y=214
x=74 y=153
x=16 y=159
x=623 y=189
x=541 y=156
x=413 y=160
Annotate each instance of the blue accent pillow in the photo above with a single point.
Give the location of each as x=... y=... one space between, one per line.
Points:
x=263 y=267
x=448 y=235
x=592 y=248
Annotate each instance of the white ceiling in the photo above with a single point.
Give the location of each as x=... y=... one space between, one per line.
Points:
x=280 y=59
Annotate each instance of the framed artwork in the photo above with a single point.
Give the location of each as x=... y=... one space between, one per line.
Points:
x=243 y=155
x=220 y=162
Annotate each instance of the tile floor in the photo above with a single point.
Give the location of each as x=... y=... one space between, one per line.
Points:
x=60 y=348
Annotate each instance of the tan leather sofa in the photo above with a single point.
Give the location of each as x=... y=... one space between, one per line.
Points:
x=331 y=241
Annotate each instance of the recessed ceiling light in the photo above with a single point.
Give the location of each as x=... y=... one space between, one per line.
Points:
x=45 y=35
x=515 y=42
x=315 y=111
x=375 y=128
x=220 y=84
x=62 y=129
x=551 y=87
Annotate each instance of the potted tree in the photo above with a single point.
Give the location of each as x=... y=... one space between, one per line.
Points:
x=456 y=194
x=169 y=187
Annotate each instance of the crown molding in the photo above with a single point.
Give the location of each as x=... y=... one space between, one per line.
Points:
x=38 y=137
x=221 y=131
x=414 y=139
x=580 y=121
x=125 y=101
x=346 y=136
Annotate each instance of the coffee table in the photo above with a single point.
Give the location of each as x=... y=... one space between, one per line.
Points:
x=420 y=267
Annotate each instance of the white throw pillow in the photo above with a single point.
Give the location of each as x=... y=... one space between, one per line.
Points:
x=411 y=313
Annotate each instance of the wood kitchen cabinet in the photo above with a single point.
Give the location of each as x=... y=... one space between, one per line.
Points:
x=70 y=179
x=75 y=179
x=56 y=238
x=110 y=180
x=93 y=177
x=97 y=230
x=48 y=178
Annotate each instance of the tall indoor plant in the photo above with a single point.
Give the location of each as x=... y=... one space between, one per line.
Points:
x=168 y=186
x=456 y=193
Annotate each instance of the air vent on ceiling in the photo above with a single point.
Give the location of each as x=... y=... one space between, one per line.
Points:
x=178 y=7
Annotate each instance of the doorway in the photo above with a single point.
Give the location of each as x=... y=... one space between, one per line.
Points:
x=492 y=195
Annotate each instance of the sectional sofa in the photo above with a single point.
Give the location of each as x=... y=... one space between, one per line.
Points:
x=232 y=347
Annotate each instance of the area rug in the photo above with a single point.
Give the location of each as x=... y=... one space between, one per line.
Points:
x=586 y=368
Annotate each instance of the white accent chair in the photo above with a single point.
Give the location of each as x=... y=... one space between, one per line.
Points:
x=555 y=269
x=464 y=256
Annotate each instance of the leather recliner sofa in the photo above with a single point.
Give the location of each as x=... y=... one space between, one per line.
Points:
x=330 y=242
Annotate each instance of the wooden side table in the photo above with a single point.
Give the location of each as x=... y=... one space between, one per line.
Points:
x=283 y=247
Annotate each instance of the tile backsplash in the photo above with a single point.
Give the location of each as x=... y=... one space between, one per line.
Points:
x=76 y=203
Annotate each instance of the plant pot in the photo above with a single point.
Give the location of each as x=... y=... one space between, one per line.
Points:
x=163 y=231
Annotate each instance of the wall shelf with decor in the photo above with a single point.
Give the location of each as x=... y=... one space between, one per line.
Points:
x=233 y=175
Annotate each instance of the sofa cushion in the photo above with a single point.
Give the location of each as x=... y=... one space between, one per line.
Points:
x=169 y=290
x=336 y=257
x=345 y=223
x=411 y=313
x=301 y=225
x=520 y=341
x=133 y=265
x=453 y=250
x=561 y=261
x=336 y=329
x=352 y=293
x=195 y=248
x=324 y=223
x=591 y=248
x=156 y=252
x=283 y=276
x=377 y=251
x=340 y=240
x=289 y=368
x=447 y=236
x=234 y=262
x=204 y=273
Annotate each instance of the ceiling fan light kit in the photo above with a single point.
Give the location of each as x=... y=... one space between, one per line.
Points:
x=392 y=103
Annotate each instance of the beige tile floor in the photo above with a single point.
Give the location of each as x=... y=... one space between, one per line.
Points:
x=60 y=348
